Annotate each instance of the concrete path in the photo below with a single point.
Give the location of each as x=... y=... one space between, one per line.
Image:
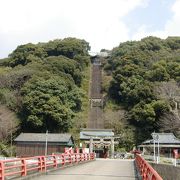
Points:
x=101 y=169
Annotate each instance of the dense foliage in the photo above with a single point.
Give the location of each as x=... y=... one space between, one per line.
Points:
x=41 y=83
x=138 y=69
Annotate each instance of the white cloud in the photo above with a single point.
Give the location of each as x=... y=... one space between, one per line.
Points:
x=97 y=21
x=171 y=28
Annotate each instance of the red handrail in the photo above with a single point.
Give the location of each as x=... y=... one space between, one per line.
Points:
x=24 y=166
x=147 y=172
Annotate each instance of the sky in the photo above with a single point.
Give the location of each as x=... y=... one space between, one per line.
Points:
x=102 y=23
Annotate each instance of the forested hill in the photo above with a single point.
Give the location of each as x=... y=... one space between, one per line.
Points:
x=145 y=81
x=40 y=86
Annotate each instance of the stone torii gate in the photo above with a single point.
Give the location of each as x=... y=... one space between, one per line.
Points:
x=99 y=138
x=103 y=142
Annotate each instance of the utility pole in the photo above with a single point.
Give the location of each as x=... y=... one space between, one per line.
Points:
x=154 y=150
x=11 y=139
x=11 y=144
x=154 y=143
x=158 y=159
x=46 y=143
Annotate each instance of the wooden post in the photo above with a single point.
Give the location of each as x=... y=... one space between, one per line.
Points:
x=63 y=159
x=55 y=162
x=40 y=164
x=23 y=167
x=76 y=160
x=70 y=159
x=43 y=159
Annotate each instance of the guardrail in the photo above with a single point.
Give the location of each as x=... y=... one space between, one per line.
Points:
x=162 y=160
x=145 y=169
x=25 y=166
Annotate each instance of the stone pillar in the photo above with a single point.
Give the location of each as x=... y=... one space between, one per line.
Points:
x=91 y=145
x=112 y=147
x=91 y=103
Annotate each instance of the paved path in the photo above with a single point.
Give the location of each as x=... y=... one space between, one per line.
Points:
x=101 y=169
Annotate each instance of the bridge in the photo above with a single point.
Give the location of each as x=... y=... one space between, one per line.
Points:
x=78 y=165
x=100 y=169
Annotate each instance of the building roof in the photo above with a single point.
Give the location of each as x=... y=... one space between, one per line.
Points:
x=86 y=134
x=41 y=137
x=163 y=138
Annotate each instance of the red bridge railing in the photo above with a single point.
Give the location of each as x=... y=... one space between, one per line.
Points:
x=24 y=166
x=147 y=172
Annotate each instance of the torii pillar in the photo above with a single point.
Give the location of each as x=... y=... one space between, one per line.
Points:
x=112 y=147
x=91 y=145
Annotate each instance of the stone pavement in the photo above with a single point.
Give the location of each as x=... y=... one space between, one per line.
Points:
x=101 y=169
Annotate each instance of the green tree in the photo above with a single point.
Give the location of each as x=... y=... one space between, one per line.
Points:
x=59 y=64
x=70 y=47
x=158 y=73
x=135 y=89
x=136 y=67
x=160 y=107
x=26 y=53
x=143 y=113
x=49 y=103
x=173 y=42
